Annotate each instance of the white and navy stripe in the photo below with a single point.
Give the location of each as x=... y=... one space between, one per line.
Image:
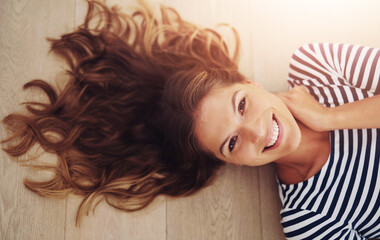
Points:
x=342 y=201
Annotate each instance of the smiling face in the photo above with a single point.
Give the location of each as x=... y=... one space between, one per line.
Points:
x=245 y=124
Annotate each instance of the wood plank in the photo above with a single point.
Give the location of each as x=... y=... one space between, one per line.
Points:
x=107 y=223
x=237 y=14
x=270 y=204
x=228 y=209
x=24 y=25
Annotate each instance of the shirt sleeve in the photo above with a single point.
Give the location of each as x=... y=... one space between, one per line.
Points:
x=336 y=65
x=306 y=224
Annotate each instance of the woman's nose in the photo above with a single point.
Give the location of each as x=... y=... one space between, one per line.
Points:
x=255 y=130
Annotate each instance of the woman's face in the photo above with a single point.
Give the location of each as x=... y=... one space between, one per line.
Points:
x=245 y=124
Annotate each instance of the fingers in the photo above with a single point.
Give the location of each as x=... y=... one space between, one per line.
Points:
x=304 y=107
x=295 y=91
x=294 y=94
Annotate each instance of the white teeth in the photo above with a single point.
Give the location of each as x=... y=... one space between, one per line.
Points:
x=274 y=134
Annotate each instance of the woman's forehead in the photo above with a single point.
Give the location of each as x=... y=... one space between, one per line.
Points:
x=213 y=103
x=217 y=103
x=213 y=116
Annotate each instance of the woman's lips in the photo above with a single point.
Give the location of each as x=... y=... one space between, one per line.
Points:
x=270 y=135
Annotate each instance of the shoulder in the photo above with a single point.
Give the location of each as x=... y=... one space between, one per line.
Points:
x=336 y=64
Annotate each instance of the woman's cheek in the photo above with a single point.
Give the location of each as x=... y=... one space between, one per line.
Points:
x=248 y=152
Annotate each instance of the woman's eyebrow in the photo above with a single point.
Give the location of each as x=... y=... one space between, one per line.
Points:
x=233 y=99
x=221 y=146
x=233 y=102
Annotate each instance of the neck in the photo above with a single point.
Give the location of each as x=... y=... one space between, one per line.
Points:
x=307 y=160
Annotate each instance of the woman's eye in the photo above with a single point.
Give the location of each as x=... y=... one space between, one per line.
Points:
x=232 y=143
x=241 y=106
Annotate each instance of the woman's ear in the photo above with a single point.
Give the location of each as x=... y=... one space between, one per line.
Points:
x=254 y=83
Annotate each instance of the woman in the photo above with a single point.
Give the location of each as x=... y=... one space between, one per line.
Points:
x=112 y=118
x=328 y=181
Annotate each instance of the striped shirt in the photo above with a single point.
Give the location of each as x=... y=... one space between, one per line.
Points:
x=342 y=201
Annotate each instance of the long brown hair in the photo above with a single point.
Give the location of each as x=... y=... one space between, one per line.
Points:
x=123 y=124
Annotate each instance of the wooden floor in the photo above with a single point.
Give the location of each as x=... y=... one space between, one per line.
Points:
x=243 y=202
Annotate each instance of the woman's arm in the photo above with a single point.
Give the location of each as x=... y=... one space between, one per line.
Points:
x=355 y=115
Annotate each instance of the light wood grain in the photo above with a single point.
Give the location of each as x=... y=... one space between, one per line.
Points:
x=228 y=209
x=270 y=204
x=24 y=26
x=107 y=223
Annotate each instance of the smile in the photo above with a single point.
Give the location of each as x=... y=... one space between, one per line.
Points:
x=275 y=133
x=274 y=136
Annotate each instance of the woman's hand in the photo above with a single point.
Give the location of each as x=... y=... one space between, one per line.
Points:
x=306 y=109
x=355 y=115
